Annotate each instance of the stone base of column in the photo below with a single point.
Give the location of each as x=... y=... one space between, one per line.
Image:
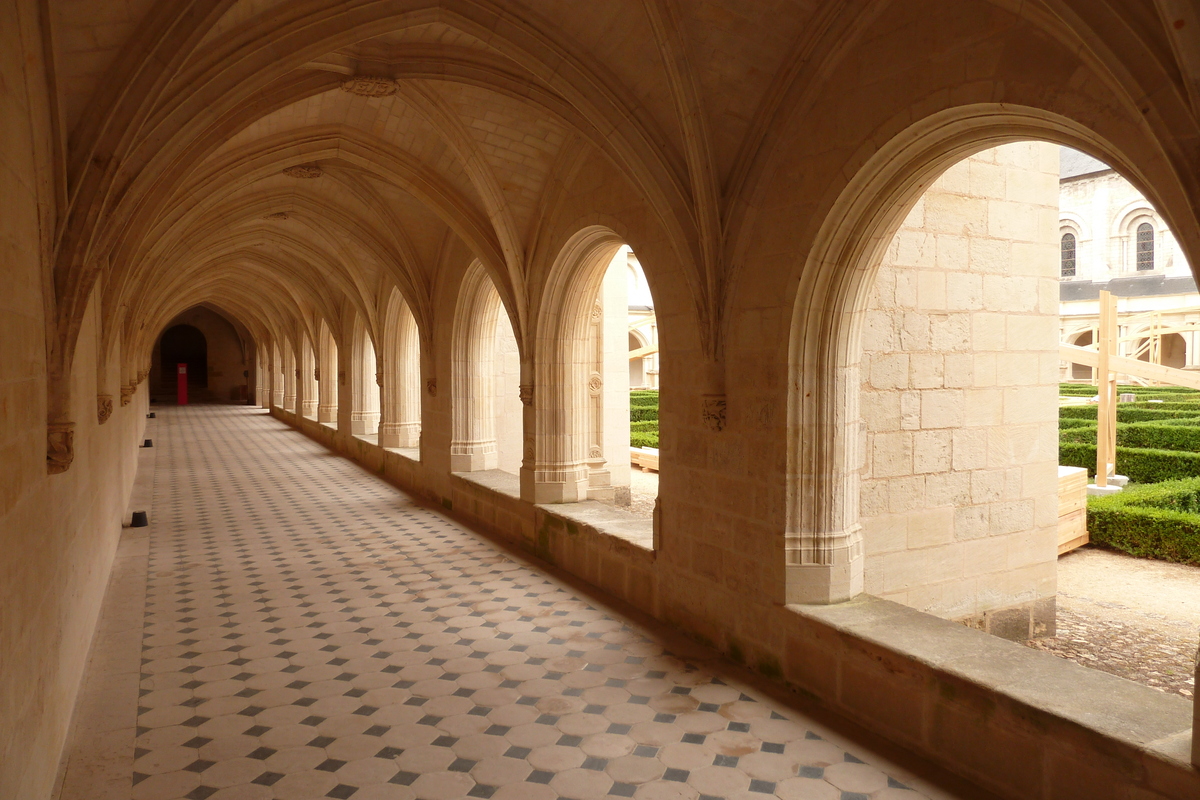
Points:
x=822 y=584
x=310 y=408
x=555 y=485
x=327 y=414
x=364 y=423
x=474 y=459
x=399 y=434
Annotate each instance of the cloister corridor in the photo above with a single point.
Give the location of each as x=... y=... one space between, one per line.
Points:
x=291 y=626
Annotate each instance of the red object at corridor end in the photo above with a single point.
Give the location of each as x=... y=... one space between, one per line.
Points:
x=181 y=369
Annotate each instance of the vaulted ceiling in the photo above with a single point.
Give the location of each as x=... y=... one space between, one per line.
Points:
x=287 y=160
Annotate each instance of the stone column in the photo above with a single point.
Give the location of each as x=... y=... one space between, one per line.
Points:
x=290 y=379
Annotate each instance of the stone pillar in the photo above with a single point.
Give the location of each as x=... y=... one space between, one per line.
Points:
x=327 y=389
x=290 y=376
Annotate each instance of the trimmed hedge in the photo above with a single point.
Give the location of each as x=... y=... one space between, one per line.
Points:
x=1146 y=435
x=643 y=413
x=1126 y=413
x=643 y=439
x=1140 y=465
x=643 y=419
x=1159 y=521
x=1070 y=422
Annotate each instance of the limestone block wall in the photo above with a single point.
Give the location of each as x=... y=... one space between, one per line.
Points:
x=959 y=396
x=58 y=533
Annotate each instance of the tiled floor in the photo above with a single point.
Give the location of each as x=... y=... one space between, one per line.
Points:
x=309 y=632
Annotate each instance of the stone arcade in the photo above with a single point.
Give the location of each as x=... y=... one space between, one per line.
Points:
x=398 y=216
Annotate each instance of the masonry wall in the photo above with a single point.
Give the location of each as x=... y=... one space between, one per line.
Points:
x=959 y=502
x=58 y=533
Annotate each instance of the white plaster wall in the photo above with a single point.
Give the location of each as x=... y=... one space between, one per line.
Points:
x=959 y=393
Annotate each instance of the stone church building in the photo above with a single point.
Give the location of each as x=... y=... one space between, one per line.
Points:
x=1112 y=238
x=384 y=248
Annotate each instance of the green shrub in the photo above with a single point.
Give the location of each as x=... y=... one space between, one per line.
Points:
x=1159 y=437
x=1158 y=521
x=1140 y=465
x=1127 y=412
x=643 y=439
x=646 y=425
x=643 y=413
x=1071 y=422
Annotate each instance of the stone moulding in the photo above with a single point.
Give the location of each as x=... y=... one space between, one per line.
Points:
x=712 y=411
x=306 y=171
x=104 y=407
x=370 y=86
x=60 y=447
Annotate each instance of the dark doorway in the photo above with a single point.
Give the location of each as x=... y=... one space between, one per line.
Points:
x=184 y=344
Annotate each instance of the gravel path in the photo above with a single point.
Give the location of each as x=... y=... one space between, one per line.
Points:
x=1132 y=617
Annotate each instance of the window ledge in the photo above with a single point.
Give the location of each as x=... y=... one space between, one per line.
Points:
x=496 y=480
x=1062 y=698
x=606 y=520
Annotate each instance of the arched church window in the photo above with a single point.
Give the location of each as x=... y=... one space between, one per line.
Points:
x=1145 y=246
x=1068 y=255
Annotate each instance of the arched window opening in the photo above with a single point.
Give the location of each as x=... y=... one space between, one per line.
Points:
x=326 y=374
x=597 y=421
x=1068 y=255
x=400 y=391
x=308 y=380
x=1082 y=372
x=289 y=377
x=1145 y=247
x=364 y=414
x=486 y=374
x=277 y=382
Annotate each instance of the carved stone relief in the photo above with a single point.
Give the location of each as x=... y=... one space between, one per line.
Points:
x=104 y=407
x=370 y=86
x=712 y=411
x=526 y=391
x=60 y=446
x=306 y=171
x=431 y=387
x=127 y=393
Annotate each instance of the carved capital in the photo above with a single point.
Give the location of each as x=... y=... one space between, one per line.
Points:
x=142 y=375
x=526 y=392
x=379 y=379
x=317 y=374
x=104 y=407
x=370 y=86
x=60 y=446
x=127 y=393
x=712 y=411
x=305 y=171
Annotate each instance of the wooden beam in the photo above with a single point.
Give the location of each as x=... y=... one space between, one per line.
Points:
x=1131 y=366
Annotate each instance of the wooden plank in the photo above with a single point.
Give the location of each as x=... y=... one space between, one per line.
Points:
x=1131 y=366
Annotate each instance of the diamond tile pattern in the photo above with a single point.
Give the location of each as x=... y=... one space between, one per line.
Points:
x=310 y=632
